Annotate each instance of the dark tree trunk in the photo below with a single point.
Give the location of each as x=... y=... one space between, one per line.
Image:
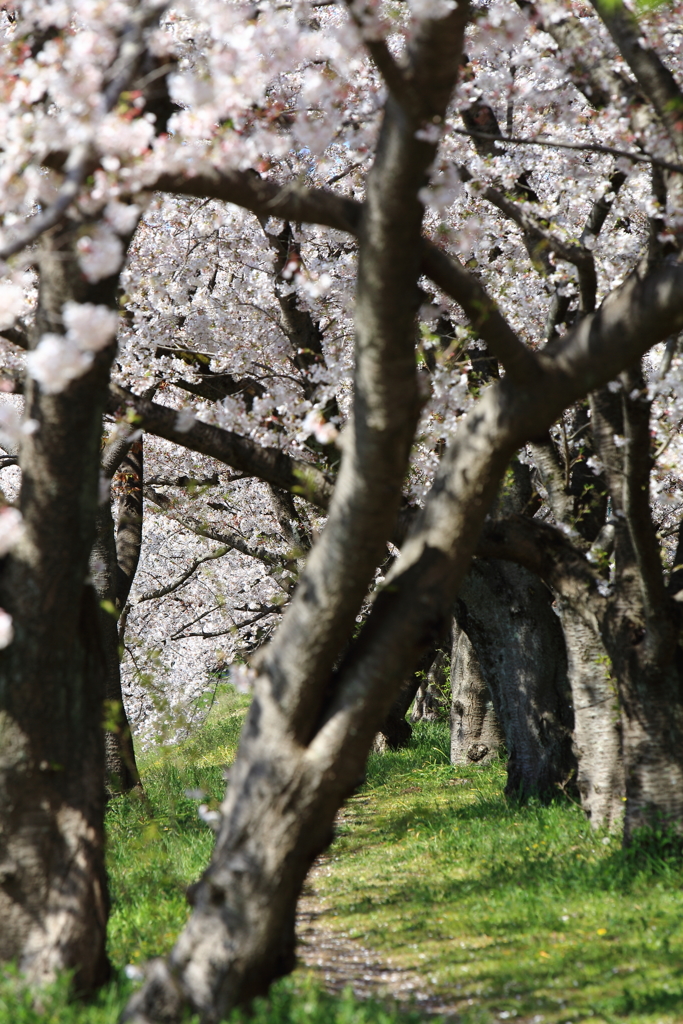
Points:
x=507 y=615
x=476 y=735
x=121 y=769
x=53 y=892
x=396 y=730
x=129 y=483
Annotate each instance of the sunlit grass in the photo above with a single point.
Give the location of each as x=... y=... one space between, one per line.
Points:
x=153 y=857
x=522 y=910
x=507 y=912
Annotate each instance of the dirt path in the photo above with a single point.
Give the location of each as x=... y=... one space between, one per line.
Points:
x=341 y=961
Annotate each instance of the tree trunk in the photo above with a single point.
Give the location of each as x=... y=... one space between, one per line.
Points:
x=507 y=615
x=241 y=935
x=652 y=729
x=597 y=724
x=53 y=892
x=395 y=731
x=476 y=735
x=121 y=769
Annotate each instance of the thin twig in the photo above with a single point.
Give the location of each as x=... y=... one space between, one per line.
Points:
x=587 y=147
x=163 y=591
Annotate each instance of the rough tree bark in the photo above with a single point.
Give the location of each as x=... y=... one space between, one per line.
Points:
x=113 y=563
x=597 y=722
x=580 y=505
x=241 y=933
x=642 y=622
x=53 y=893
x=519 y=649
x=507 y=615
x=395 y=731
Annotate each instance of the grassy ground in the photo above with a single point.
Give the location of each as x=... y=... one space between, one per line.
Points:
x=512 y=913
x=515 y=911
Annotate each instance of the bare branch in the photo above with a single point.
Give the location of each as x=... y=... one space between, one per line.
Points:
x=151 y=595
x=582 y=147
x=292 y=201
x=17 y=336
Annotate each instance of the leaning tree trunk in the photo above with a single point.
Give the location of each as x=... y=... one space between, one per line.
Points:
x=53 y=892
x=507 y=615
x=476 y=735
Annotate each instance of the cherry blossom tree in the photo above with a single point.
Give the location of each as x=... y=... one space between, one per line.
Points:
x=279 y=241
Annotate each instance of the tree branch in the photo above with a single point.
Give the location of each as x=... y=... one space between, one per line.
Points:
x=553 y=476
x=151 y=595
x=550 y=554
x=436 y=555
x=540 y=242
x=268 y=464
x=454 y=280
x=226 y=537
x=581 y=147
x=294 y=202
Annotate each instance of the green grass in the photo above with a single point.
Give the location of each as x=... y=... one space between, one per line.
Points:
x=152 y=859
x=522 y=910
x=502 y=909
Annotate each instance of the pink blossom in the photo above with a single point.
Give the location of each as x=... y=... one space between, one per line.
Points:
x=243 y=678
x=185 y=420
x=324 y=432
x=122 y=217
